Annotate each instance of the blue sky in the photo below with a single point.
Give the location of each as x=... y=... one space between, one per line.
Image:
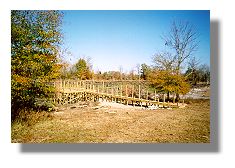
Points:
x=127 y=38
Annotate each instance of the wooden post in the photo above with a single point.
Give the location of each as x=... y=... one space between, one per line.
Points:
x=139 y=91
x=164 y=98
x=117 y=91
x=103 y=87
x=98 y=89
x=147 y=94
x=126 y=91
x=93 y=85
x=132 y=93
x=174 y=99
x=121 y=90
x=155 y=95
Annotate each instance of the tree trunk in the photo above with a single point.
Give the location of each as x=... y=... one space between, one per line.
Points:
x=178 y=72
x=168 y=96
x=177 y=97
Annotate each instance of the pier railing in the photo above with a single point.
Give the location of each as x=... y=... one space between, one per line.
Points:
x=126 y=92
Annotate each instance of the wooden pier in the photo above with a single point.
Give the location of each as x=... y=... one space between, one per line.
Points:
x=124 y=92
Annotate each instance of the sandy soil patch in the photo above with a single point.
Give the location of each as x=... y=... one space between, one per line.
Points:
x=116 y=123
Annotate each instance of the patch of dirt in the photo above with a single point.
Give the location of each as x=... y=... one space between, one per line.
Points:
x=108 y=122
x=198 y=93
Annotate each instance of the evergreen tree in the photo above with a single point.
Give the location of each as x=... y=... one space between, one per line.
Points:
x=82 y=69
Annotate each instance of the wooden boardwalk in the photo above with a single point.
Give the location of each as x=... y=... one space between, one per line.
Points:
x=69 y=92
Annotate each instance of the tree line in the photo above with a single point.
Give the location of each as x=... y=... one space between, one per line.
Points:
x=195 y=73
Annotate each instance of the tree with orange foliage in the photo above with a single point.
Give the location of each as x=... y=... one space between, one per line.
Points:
x=35 y=43
x=168 y=82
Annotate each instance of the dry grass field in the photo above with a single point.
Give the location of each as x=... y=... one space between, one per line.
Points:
x=110 y=123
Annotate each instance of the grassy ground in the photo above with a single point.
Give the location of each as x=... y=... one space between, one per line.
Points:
x=119 y=125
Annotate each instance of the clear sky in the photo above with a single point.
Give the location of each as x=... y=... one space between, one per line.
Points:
x=127 y=38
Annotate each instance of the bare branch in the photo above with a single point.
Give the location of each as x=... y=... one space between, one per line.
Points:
x=164 y=61
x=183 y=39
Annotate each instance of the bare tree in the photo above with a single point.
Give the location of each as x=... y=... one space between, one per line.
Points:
x=193 y=63
x=192 y=73
x=183 y=40
x=164 y=61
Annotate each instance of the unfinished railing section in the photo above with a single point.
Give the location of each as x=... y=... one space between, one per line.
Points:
x=134 y=93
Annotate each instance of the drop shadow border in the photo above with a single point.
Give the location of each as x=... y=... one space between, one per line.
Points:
x=212 y=147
